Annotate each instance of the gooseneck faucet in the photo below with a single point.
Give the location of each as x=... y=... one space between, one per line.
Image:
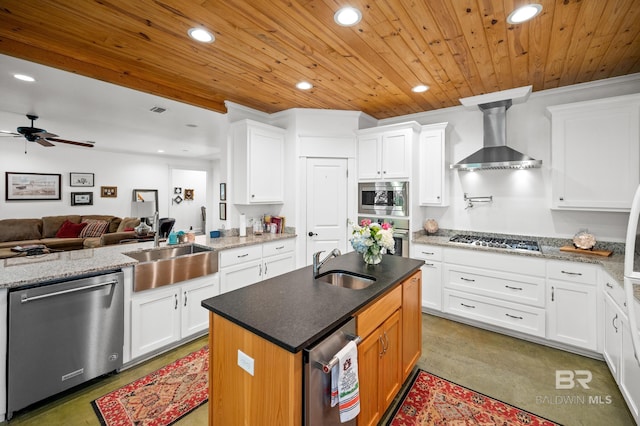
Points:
x=317 y=263
x=156 y=225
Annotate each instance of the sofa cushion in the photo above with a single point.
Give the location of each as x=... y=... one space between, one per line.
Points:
x=20 y=229
x=10 y=244
x=51 y=224
x=113 y=221
x=128 y=223
x=94 y=228
x=70 y=229
x=63 y=243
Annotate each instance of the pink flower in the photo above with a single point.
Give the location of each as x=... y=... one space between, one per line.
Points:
x=365 y=222
x=386 y=226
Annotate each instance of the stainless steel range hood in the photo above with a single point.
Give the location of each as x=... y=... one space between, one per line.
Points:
x=495 y=154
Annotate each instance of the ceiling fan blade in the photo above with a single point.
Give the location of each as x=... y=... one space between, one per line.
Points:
x=85 y=144
x=10 y=135
x=44 y=142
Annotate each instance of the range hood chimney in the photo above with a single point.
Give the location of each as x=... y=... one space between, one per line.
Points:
x=495 y=154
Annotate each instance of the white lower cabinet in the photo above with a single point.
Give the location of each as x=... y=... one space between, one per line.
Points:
x=243 y=266
x=572 y=304
x=162 y=316
x=431 y=274
x=630 y=373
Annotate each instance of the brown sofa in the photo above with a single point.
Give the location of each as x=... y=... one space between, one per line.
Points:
x=21 y=232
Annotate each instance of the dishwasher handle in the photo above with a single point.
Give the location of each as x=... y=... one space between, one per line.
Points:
x=25 y=298
x=326 y=367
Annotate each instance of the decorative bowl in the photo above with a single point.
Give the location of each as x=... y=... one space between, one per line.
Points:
x=431 y=226
x=584 y=240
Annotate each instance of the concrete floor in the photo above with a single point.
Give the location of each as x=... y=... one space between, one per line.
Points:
x=511 y=370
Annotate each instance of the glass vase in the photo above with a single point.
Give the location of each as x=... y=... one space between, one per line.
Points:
x=372 y=257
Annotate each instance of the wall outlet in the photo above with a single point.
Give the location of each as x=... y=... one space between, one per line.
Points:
x=245 y=362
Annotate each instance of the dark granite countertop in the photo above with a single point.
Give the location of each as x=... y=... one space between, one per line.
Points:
x=294 y=310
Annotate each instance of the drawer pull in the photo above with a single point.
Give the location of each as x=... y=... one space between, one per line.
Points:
x=467 y=279
x=468 y=306
x=609 y=285
x=279 y=248
x=571 y=273
x=513 y=316
x=428 y=253
x=243 y=255
x=513 y=288
x=429 y=264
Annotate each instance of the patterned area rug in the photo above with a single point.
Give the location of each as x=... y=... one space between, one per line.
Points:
x=160 y=398
x=432 y=400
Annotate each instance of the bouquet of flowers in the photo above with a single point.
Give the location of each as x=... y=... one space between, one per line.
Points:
x=372 y=240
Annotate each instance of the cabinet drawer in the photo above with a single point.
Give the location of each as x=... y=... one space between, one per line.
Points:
x=238 y=255
x=572 y=271
x=525 y=319
x=498 y=284
x=374 y=315
x=425 y=252
x=526 y=265
x=278 y=247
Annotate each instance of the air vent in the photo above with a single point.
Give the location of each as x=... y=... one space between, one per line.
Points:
x=158 y=109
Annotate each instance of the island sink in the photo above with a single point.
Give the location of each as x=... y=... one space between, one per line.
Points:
x=346 y=280
x=169 y=265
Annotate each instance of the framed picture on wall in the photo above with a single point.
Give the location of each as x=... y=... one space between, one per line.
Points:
x=223 y=211
x=108 y=191
x=32 y=186
x=81 y=179
x=82 y=198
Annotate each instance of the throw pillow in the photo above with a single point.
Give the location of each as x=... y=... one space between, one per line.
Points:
x=70 y=229
x=94 y=228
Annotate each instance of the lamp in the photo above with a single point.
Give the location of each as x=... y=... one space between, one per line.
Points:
x=143 y=210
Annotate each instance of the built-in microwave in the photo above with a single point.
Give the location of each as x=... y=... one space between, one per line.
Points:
x=383 y=198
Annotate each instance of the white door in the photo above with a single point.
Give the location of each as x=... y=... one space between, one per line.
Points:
x=326 y=205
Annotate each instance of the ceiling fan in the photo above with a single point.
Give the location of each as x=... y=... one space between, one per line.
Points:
x=41 y=136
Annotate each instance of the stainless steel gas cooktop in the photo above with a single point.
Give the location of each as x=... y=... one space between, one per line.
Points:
x=496 y=242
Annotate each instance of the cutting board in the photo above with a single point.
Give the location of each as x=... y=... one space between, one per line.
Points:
x=594 y=252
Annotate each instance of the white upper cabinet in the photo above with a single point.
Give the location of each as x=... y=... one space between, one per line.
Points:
x=385 y=152
x=258 y=163
x=595 y=153
x=433 y=175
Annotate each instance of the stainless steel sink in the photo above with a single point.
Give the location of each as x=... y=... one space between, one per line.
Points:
x=346 y=280
x=169 y=265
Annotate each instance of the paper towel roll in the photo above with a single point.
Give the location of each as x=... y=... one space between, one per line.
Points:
x=243 y=225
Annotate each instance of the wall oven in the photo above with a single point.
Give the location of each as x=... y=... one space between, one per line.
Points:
x=383 y=198
x=400 y=232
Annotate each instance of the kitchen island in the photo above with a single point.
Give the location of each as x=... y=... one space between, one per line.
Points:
x=266 y=326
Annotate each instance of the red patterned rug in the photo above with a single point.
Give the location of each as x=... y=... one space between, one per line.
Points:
x=160 y=398
x=432 y=400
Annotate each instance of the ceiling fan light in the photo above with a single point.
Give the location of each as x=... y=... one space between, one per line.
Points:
x=201 y=35
x=24 y=77
x=524 y=13
x=420 y=88
x=347 y=16
x=304 y=85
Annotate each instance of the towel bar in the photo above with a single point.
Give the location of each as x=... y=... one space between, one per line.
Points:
x=326 y=367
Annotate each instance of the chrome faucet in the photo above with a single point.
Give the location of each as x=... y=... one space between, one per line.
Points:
x=317 y=263
x=156 y=225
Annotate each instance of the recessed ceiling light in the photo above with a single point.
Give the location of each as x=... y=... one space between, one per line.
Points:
x=160 y=151
x=24 y=77
x=304 y=85
x=420 y=88
x=524 y=13
x=202 y=35
x=347 y=16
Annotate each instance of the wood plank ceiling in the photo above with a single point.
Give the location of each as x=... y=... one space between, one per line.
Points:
x=263 y=48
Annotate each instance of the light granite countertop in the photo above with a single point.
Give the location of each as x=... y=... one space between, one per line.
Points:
x=549 y=249
x=25 y=270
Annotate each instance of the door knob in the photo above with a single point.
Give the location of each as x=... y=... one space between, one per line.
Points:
x=311 y=234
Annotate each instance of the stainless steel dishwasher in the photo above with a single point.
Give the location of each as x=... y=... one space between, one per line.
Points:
x=62 y=334
x=318 y=361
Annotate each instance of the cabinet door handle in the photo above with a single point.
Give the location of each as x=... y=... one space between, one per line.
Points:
x=265 y=269
x=176 y=304
x=467 y=279
x=468 y=306
x=312 y=234
x=513 y=316
x=613 y=322
x=185 y=298
x=381 y=353
x=571 y=273
x=386 y=339
x=260 y=270
x=609 y=285
x=513 y=288
x=553 y=293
